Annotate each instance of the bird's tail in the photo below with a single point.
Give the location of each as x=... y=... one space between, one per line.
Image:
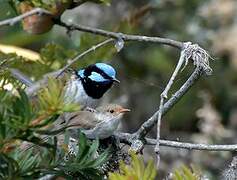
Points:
x=21 y=77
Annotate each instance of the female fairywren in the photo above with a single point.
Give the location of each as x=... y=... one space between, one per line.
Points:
x=88 y=85
x=99 y=123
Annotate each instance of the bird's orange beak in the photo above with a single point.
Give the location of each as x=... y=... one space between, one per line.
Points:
x=123 y=110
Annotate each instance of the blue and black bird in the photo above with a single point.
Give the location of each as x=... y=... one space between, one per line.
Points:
x=88 y=85
x=85 y=86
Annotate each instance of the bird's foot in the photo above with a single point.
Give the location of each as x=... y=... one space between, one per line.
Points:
x=90 y=109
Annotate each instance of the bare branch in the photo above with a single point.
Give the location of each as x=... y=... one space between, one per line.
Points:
x=128 y=139
x=164 y=95
x=125 y=37
x=148 y=125
x=77 y=57
x=39 y=84
x=101 y=32
x=200 y=59
x=161 y=107
x=14 y=20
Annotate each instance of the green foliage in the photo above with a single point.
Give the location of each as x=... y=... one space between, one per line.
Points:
x=85 y=162
x=46 y=4
x=19 y=119
x=54 y=56
x=13 y=118
x=49 y=4
x=136 y=170
x=107 y=2
x=8 y=61
x=51 y=99
x=185 y=173
x=82 y=163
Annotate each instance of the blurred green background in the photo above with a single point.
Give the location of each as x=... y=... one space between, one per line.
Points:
x=206 y=114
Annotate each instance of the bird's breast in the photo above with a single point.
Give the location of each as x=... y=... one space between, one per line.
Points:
x=75 y=93
x=104 y=129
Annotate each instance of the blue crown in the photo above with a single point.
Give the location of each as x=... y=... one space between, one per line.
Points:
x=107 y=69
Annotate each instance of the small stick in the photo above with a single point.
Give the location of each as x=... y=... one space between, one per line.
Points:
x=14 y=20
x=93 y=48
x=164 y=96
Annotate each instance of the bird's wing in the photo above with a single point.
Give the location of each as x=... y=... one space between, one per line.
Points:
x=82 y=119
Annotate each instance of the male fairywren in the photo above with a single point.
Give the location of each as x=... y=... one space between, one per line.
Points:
x=85 y=86
x=88 y=85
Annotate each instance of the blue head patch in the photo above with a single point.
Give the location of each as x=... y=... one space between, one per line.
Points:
x=97 y=77
x=107 y=69
x=81 y=73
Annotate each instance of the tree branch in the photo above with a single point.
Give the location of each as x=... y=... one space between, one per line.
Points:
x=164 y=95
x=93 y=48
x=101 y=32
x=125 y=37
x=148 y=125
x=128 y=139
x=14 y=20
x=39 y=84
x=201 y=60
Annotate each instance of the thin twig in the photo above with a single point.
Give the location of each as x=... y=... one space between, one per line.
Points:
x=164 y=96
x=192 y=146
x=125 y=37
x=14 y=20
x=157 y=147
x=77 y=57
x=148 y=125
x=200 y=60
x=128 y=139
x=39 y=84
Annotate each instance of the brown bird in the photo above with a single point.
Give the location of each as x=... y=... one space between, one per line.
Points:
x=101 y=122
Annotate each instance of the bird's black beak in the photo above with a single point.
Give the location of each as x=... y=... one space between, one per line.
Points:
x=116 y=80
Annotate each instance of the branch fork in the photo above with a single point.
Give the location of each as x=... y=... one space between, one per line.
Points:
x=201 y=60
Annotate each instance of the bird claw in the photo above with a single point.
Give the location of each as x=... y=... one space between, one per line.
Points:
x=90 y=109
x=137 y=146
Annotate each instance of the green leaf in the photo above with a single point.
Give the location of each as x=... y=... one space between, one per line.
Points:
x=136 y=170
x=82 y=146
x=8 y=167
x=103 y=157
x=185 y=173
x=150 y=171
x=177 y=175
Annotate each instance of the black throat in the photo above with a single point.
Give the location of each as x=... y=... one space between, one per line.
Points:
x=95 y=89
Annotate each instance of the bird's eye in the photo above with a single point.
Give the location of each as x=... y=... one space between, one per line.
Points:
x=111 y=111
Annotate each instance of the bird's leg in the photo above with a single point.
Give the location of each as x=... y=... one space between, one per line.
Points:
x=115 y=141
